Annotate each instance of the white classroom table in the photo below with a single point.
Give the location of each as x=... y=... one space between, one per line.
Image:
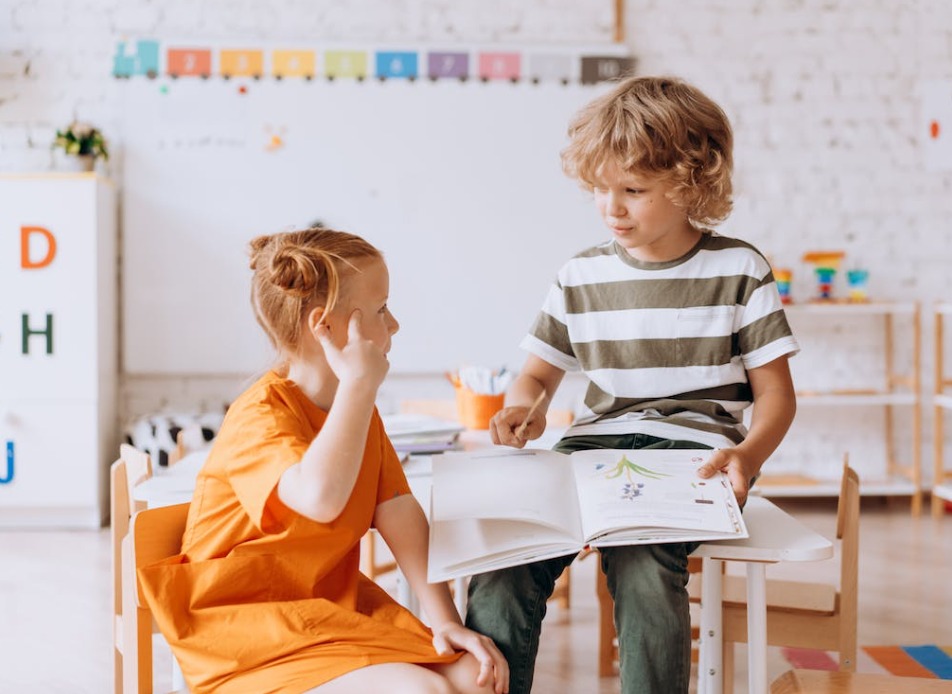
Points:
x=775 y=536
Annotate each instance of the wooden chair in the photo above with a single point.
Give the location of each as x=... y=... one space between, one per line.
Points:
x=838 y=682
x=799 y=614
x=803 y=614
x=154 y=534
x=132 y=467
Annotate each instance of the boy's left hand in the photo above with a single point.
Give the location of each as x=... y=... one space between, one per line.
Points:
x=740 y=470
x=492 y=664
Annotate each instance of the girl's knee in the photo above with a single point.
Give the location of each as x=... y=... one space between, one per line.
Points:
x=462 y=676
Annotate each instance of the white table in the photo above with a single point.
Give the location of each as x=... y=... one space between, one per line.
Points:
x=775 y=536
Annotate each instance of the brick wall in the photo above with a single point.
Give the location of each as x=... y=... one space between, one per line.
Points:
x=823 y=95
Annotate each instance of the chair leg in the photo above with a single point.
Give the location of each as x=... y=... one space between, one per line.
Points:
x=563 y=586
x=727 y=667
x=606 y=626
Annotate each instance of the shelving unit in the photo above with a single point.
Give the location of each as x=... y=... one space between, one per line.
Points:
x=58 y=349
x=941 y=403
x=897 y=391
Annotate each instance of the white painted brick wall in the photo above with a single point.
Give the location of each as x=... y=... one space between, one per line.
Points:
x=823 y=95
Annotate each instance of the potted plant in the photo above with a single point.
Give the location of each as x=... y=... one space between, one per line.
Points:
x=77 y=147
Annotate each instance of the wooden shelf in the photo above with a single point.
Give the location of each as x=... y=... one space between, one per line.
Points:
x=897 y=385
x=851 y=307
x=803 y=486
x=858 y=398
x=943 y=400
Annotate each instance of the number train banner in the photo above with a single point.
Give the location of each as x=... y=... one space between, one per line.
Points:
x=149 y=58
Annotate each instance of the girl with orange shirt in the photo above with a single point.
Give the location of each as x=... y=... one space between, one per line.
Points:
x=266 y=595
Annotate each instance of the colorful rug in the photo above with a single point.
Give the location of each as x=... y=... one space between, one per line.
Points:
x=934 y=662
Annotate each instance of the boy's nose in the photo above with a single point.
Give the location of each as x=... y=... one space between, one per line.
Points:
x=616 y=208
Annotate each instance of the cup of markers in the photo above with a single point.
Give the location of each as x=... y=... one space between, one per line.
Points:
x=480 y=393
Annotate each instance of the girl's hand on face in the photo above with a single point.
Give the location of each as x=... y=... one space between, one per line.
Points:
x=359 y=360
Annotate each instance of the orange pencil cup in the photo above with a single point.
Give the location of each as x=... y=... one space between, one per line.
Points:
x=476 y=409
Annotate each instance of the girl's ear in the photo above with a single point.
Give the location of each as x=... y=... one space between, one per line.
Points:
x=314 y=319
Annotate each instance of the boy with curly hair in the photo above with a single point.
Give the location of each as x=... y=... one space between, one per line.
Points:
x=677 y=329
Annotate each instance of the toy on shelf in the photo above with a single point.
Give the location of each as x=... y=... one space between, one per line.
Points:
x=857 y=280
x=825 y=265
x=783 y=277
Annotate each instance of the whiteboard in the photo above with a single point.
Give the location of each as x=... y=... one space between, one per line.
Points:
x=459 y=184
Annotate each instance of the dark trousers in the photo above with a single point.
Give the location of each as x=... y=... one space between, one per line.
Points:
x=647 y=583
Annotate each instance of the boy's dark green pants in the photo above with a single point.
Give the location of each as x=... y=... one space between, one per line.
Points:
x=647 y=583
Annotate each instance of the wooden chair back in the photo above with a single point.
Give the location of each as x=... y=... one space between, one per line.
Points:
x=803 y=614
x=154 y=534
x=132 y=467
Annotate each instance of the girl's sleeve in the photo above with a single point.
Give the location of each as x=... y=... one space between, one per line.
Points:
x=275 y=442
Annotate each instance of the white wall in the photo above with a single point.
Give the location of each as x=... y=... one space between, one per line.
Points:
x=822 y=94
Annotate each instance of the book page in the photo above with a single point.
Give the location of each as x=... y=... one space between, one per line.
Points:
x=653 y=495
x=507 y=484
x=471 y=546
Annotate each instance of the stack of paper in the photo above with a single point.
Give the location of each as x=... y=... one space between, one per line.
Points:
x=412 y=433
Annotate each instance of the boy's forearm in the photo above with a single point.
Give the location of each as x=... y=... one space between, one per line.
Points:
x=775 y=404
x=772 y=417
x=524 y=391
x=537 y=376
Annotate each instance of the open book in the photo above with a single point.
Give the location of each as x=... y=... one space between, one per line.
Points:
x=501 y=507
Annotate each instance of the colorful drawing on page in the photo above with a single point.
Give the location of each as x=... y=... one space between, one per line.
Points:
x=626 y=467
x=632 y=490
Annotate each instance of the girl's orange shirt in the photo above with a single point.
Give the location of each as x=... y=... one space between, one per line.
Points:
x=262 y=599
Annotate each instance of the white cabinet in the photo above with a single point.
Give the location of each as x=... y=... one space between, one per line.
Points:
x=58 y=349
x=859 y=376
x=942 y=404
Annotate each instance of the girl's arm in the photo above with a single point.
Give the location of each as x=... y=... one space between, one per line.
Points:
x=403 y=526
x=321 y=483
x=537 y=376
x=775 y=404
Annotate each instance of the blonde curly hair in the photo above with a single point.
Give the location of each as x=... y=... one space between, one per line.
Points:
x=660 y=127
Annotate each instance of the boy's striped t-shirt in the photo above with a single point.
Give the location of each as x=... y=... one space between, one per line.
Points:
x=666 y=346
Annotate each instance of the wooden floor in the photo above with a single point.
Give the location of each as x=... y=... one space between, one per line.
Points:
x=55 y=602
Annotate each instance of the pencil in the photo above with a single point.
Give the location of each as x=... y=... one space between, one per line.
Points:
x=522 y=427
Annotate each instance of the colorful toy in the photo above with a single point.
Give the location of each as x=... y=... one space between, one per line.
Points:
x=857 y=280
x=825 y=265
x=783 y=278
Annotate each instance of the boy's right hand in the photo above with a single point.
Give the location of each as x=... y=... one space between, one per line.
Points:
x=358 y=359
x=506 y=425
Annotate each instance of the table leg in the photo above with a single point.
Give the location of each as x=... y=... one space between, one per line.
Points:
x=710 y=660
x=459 y=596
x=405 y=596
x=757 y=627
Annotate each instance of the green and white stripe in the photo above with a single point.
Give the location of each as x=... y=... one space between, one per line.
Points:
x=666 y=346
